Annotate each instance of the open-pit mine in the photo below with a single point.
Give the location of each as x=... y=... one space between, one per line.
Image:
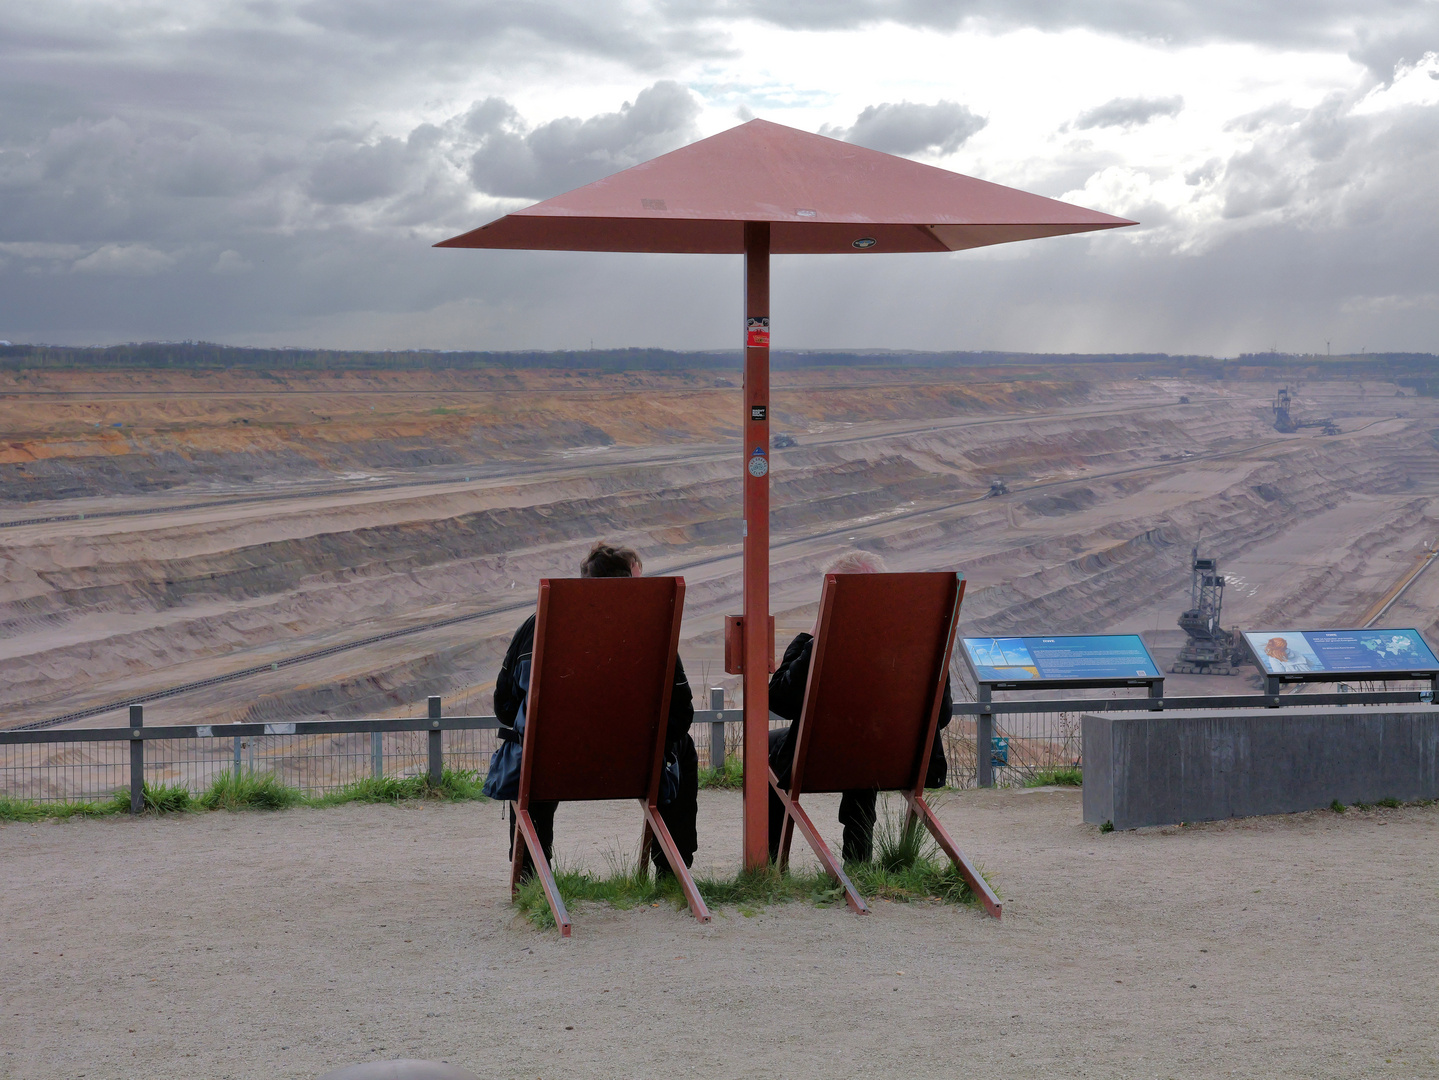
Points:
x=295 y=545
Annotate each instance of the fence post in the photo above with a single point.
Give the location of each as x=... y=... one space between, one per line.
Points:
x=377 y=754
x=984 y=740
x=137 y=760
x=437 y=758
x=717 y=729
x=236 y=774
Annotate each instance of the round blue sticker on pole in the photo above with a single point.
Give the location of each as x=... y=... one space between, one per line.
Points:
x=758 y=463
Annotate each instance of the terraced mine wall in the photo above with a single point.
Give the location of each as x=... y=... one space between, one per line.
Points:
x=384 y=500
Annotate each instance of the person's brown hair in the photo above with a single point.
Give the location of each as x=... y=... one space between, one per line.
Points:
x=606 y=560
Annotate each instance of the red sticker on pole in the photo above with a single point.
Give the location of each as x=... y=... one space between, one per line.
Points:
x=756 y=332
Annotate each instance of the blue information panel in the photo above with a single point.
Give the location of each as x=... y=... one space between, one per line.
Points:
x=1060 y=659
x=1345 y=652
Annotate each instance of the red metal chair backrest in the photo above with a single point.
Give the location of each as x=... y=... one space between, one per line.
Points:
x=876 y=679
x=600 y=679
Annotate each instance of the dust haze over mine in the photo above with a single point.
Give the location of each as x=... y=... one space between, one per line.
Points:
x=173 y=514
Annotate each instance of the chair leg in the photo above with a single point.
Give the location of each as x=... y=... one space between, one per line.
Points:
x=786 y=838
x=655 y=826
x=646 y=839
x=517 y=854
x=526 y=828
x=786 y=830
x=795 y=813
x=972 y=877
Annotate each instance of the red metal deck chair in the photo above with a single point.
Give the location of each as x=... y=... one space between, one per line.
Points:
x=871 y=706
x=596 y=711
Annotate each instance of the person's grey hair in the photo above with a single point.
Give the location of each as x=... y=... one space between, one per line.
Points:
x=856 y=562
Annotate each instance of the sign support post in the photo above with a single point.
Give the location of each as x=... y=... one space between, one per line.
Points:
x=756 y=544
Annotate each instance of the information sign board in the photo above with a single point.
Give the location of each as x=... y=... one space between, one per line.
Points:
x=1069 y=660
x=1329 y=655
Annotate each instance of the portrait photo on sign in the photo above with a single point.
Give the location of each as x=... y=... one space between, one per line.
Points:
x=1284 y=652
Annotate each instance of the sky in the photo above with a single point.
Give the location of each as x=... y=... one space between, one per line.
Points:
x=268 y=172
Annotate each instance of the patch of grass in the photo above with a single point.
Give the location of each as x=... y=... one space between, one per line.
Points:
x=456 y=785
x=158 y=800
x=1390 y=803
x=22 y=810
x=1338 y=807
x=906 y=870
x=1057 y=777
x=1108 y=826
x=262 y=791
x=729 y=777
x=249 y=791
x=1361 y=806
x=164 y=799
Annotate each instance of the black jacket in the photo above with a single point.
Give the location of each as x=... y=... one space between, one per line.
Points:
x=786 y=699
x=509 y=693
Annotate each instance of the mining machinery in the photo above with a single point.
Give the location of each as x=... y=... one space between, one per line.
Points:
x=1209 y=648
x=1285 y=422
x=996 y=489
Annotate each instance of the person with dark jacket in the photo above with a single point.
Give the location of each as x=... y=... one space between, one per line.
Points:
x=681 y=814
x=786 y=699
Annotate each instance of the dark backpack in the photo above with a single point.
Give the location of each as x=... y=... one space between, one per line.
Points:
x=502 y=782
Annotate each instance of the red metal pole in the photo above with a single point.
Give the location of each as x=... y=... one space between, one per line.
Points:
x=757 y=648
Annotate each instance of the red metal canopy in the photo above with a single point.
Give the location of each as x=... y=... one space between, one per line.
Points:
x=819 y=195
x=762 y=189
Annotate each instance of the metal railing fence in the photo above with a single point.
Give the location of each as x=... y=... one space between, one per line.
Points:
x=1025 y=739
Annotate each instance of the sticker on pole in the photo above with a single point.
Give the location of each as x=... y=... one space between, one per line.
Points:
x=756 y=332
x=758 y=463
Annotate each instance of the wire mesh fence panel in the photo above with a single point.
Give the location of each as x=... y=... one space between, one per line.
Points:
x=193 y=764
x=405 y=753
x=1029 y=744
x=469 y=750
x=64 y=771
x=961 y=762
x=314 y=764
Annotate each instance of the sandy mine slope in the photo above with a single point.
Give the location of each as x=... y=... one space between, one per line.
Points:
x=384 y=501
x=285 y=945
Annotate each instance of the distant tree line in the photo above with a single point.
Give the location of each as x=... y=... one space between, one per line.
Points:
x=1420 y=371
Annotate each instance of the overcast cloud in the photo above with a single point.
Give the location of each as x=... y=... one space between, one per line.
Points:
x=1128 y=112
x=909 y=128
x=275 y=174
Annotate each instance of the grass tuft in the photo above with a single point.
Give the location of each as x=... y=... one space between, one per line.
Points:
x=249 y=791
x=165 y=799
x=1338 y=807
x=730 y=777
x=1057 y=777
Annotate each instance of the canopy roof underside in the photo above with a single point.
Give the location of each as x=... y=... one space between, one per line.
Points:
x=819 y=195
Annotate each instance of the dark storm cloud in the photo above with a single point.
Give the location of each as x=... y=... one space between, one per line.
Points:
x=909 y=128
x=517 y=161
x=233 y=169
x=1128 y=112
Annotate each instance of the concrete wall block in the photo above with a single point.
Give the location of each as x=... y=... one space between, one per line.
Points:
x=1159 y=769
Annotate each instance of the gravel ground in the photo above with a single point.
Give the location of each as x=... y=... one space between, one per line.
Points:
x=285 y=945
